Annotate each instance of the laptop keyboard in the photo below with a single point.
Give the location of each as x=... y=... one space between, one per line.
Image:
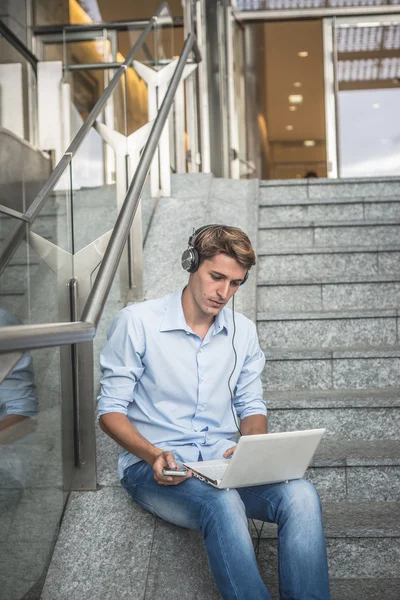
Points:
x=216 y=473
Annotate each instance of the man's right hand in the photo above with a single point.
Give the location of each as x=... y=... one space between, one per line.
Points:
x=166 y=460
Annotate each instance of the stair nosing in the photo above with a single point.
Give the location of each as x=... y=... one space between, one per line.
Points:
x=330 y=224
x=334 y=280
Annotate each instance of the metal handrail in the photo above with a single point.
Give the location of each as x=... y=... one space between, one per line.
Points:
x=24 y=337
x=18 y=45
x=176 y=22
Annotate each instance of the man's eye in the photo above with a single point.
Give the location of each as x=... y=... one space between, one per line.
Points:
x=216 y=278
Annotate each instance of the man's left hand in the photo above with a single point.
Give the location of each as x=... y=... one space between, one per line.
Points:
x=229 y=452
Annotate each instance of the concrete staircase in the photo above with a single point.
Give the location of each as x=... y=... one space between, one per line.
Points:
x=328 y=316
x=326 y=300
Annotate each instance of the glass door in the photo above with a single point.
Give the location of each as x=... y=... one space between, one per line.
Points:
x=366 y=64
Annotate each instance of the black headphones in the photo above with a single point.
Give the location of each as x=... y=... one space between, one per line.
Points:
x=190 y=258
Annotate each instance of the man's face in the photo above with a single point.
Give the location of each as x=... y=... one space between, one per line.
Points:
x=215 y=282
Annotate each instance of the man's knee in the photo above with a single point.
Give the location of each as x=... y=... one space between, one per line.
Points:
x=225 y=507
x=301 y=495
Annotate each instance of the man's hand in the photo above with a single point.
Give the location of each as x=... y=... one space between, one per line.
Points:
x=229 y=452
x=166 y=460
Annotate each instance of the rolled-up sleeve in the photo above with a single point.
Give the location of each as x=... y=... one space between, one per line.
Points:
x=121 y=363
x=248 y=395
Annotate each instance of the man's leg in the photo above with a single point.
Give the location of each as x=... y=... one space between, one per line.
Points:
x=221 y=517
x=296 y=509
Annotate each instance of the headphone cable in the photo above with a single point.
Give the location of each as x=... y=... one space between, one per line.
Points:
x=234 y=366
x=258 y=531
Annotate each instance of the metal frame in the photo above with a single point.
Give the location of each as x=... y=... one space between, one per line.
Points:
x=310 y=13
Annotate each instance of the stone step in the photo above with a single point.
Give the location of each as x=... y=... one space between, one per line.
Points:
x=354 y=520
x=286 y=263
x=370 y=398
x=334 y=211
x=320 y=189
x=340 y=423
x=326 y=329
x=161 y=560
x=329 y=294
x=335 y=368
x=351 y=588
x=329 y=233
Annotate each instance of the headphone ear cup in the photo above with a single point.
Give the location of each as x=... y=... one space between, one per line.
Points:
x=190 y=260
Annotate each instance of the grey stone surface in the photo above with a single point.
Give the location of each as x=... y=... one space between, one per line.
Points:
x=178 y=566
x=286 y=298
x=370 y=588
x=297 y=375
x=373 y=483
x=389 y=262
x=282 y=192
x=328 y=332
x=362 y=235
x=275 y=238
x=346 y=398
x=286 y=267
x=356 y=453
x=380 y=210
x=360 y=295
x=366 y=373
x=351 y=423
x=330 y=483
x=113 y=553
x=191 y=185
x=311 y=212
x=360 y=189
x=371 y=557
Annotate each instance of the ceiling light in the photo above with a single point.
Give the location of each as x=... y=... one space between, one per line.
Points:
x=309 y=143
x=303 y=54
x=292 y=108
x=295 y=98
x=376 y=105
x=297 y=84
x=289 y=127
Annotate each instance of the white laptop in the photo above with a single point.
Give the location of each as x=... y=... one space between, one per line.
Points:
x=260 y=459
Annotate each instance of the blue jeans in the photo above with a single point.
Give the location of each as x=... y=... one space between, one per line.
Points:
x=221 y=516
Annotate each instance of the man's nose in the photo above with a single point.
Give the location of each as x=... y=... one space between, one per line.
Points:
x=223 y=289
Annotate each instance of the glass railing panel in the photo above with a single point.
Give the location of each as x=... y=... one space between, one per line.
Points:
x=98 y=173
x=14 y=280
x=32 y=497
x=42 y=264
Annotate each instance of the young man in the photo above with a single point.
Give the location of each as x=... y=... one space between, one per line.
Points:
x=168 y=371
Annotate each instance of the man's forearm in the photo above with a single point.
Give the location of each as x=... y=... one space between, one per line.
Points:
x=120 y=429
x=254 y=424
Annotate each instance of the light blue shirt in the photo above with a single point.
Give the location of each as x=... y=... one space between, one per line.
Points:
x=172 y=385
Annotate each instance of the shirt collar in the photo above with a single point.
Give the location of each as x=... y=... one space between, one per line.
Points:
x=174 y=318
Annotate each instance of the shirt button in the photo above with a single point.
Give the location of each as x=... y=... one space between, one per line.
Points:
x=200 y=351
x=188 y=333
x=201 y=378
x=208 y=438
